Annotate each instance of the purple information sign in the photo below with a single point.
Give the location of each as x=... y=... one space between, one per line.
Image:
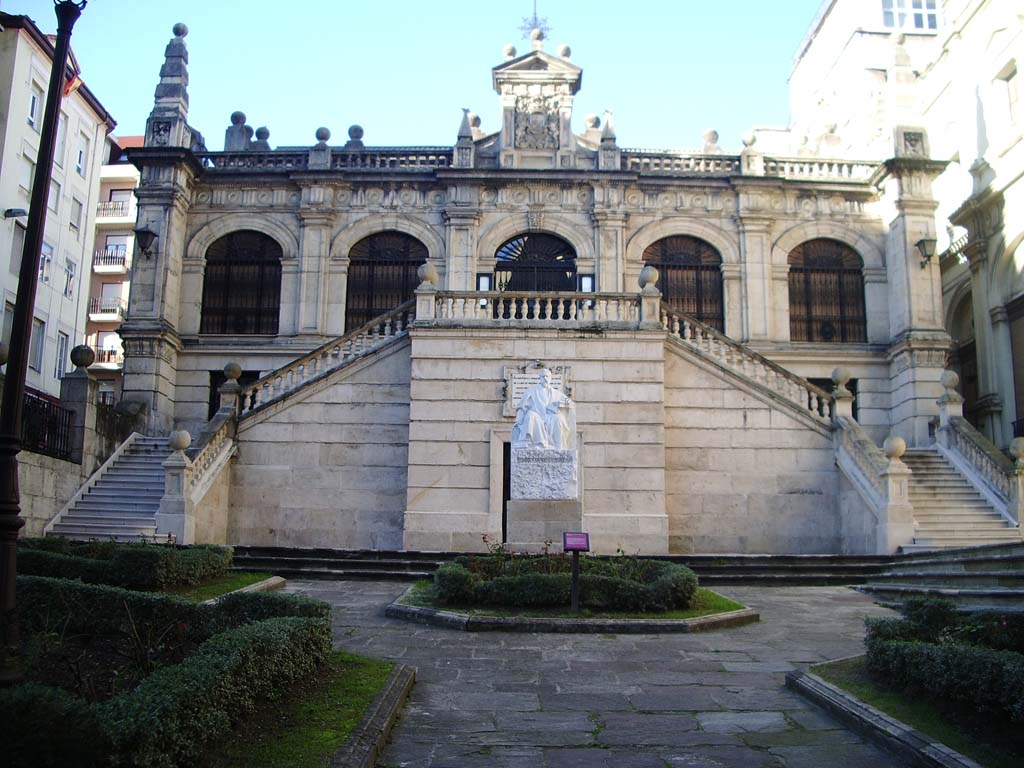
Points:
x=575 y=542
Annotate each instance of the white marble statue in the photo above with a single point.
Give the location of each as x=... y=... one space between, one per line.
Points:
x=545 y=417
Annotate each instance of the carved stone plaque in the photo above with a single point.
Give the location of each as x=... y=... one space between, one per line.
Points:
x=539 y=473
x=520 y=378
x=536 y=123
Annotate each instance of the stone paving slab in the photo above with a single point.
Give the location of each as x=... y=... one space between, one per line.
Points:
x=708 y=700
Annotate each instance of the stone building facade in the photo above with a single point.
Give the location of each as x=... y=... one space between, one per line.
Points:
x=377 y=304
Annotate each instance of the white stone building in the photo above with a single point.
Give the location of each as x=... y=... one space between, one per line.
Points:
x=382 y=304
x=62 y=294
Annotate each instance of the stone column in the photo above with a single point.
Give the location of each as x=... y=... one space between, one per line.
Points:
x=337 y=292
x=78 y=394
x=732 y=296
x=896 y=524
x=609 y=260
x=460 y=237
x=1002 y=350
x=989 y=405
x=755 y=262
x=314 y=248
x=174 y=518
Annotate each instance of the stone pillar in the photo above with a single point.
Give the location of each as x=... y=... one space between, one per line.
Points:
x=78 y=394
x=779 y=298
x=1002 y=350
x=896 y=524
x=174 y=518
x=650 y=299
x=337 y=293
x=314 y=248
x=460 y=234
x=755 y=264
x=842 y=397
x=732 y=292
x=426 y=293
x=609 y=261
x=230 y=390
x=989 y=406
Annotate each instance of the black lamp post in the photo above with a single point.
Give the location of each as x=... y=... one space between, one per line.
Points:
x=14 y=384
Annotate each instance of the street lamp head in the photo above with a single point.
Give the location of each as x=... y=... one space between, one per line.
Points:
x=15 y=213
x=79 y=5
x=926 y=247
x=145 y=237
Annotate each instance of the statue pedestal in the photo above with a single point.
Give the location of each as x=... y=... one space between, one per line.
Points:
x=531 y=522
x=542 y=473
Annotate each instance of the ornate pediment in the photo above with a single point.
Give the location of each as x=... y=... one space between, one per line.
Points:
x=537 y=67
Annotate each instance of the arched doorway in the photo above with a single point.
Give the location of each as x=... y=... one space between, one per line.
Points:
x=963 y=356
x=242 y=285
x=381 y=275
x=826 y=293
x=535 y=262
x=691 y=277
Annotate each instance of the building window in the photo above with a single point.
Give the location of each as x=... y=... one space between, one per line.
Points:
x=70 y=268
x=60 y=146
x=82 y=159
x=53 y=197
x=27 y=173
x=8 y=323
x=76 y=216
x=1011 y=87
x=62 y=355
x=17 y=248
x=36 y=343
x=535 y=262
x=242 y=286
x=35 y=107
x=381 y=275
x=826 y=293
x=690 y=277
x=45 y=257
x=921 y=15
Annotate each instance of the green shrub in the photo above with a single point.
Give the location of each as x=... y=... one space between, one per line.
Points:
x=455 y=584
x=976 y=680
x=992 y=629
x=889 y=628
x=240 y=608
x=43 y=562
x=531 y=590
x=930 y=616
x=44 y=727
x=168 y=719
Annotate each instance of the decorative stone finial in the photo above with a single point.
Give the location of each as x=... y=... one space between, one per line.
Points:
x=537 y=39
x=748 y=139
x=238 y=118
x=323 y=134
x=949 y=380
x=83 y=356
x=179 y=440
x=427 y=273
x=465 y=129
x=1017 y=448
x=355 y=132
x=894 y=447
x=474 y=120
x=592 y=121
x=179 y=30
x=564 y=51
x=648 y=279
x=509 y=52
x=608 y=132
x=262 y=133
x=840 y=377
x=232 y=371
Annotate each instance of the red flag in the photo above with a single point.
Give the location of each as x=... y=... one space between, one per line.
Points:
x=73 y=85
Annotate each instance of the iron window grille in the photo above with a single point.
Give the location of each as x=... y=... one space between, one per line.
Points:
x=690 y=277
x=242 y=286
x=381 y=275
x=826 y=293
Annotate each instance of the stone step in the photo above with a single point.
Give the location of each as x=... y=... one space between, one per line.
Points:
x=104 y=531
x=965 y=599
x=939 y=563
x=951 y=580
x=76 y=518
x=965 y=554
x=340 y=574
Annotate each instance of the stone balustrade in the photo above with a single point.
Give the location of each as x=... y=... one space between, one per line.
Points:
x=203 y=465
x=536 y=308
x=674 y=162
x=240 y=162
x=748 y=364
x=813 y=168
x=327 y=358
x=392 y=158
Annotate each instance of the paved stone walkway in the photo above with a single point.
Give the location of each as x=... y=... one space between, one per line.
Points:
x=617 y=701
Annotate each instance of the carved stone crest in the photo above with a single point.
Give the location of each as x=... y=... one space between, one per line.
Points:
x=161 y=133
x=536 y=123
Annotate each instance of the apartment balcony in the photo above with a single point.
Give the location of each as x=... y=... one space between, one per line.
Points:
x=103 y=310
x=115 y=212
x=111 y=261
x=107 y=359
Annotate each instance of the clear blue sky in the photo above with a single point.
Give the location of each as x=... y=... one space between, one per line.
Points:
x=403 y=68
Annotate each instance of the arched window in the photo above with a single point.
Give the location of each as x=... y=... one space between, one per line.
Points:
x=242 y=286
x=826 y=293
x=535 y=262
x=381 y=275
x=691 y=277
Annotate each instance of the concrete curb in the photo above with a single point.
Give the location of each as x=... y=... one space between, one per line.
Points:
x=899 y=738
x=467 y=623
x=267 y=585
x=366 y=744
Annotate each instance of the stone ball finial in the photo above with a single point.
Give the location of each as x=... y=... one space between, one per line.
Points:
x=509 y=52
x=564 y=51
x=1017 y=448
x=474 y=120
x=536 y=34
x=232 y=371
x=5 y=352
x=592 y=121
x=83 y=356
x=427 y=273
x=179 y=440
x=355 y=132
x=263 y=133
x=840 y=376
x=894 y=447
x=648 y=277
x=748 y=139
x=238 y=118
x=323 y=134
x=179 y=29
x=949 y=380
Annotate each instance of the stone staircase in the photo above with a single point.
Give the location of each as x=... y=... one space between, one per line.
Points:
x=295 y=563
x=975 y=578
x=948 y=510
x=121 y=505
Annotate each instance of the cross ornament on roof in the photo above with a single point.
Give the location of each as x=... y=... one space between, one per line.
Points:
x=533 y=22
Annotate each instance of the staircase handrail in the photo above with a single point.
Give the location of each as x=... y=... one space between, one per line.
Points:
x=220 y=441
x=566 y=306
x=851 y=441
x=93 y=479
x=715 y=344
x=984 y=465
x=338 y=350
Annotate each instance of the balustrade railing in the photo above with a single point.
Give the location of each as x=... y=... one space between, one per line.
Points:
x=328 y=357
x=392 y=158
x=869 y=459
x=539 y=308
x=985 y=460
x=209 y=455
x=814 y=168
x=749 y=364
x=104 y=306
x=111 y=257
x=254 y=161
x=113 y=208
x=670 y=162
x=108 y=356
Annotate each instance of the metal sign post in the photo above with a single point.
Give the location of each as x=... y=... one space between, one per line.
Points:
x=575 y=542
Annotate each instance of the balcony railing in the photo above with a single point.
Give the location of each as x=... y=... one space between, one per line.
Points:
x=106 y=306
x=108 y=356
x=45 y=426
x=113 y=208
x=111 y=257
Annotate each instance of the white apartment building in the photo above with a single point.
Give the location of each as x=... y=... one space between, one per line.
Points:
x=62 y=295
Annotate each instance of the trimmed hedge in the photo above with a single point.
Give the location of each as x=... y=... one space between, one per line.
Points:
x=136 y=566
x=46 y=605
x=665 y=586
x=176 y=711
